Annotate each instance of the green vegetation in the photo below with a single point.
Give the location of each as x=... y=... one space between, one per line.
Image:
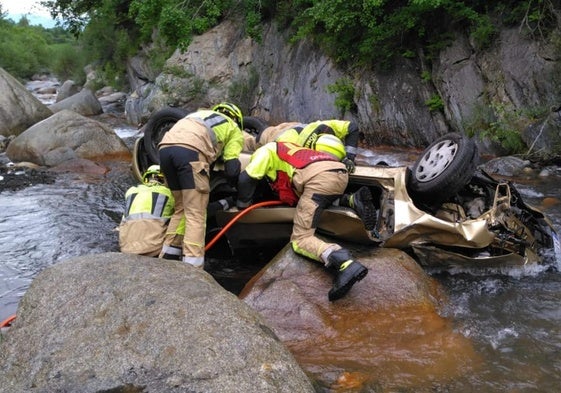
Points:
x=26 y=50
x=371 y=33
x=345 y=95
x=502 y=124
x=435 y=103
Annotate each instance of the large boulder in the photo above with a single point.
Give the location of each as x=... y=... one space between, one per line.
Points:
x=85 y=103
x=19 y=109
x=124 y=323
x=388 y=329
x=65 y=136
x=509 y=166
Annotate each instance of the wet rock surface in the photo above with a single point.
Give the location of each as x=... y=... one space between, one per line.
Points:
x=354 y=343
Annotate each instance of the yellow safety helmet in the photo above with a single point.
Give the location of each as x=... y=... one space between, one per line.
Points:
x=153 y=173
x=328 y=143
x=230 y=110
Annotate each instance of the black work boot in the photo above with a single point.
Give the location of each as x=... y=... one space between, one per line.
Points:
x=361 y=202
x=348 y=272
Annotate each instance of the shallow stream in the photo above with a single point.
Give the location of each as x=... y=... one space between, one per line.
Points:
x=512 y=317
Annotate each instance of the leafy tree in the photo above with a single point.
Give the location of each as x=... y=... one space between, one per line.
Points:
x=24 y=51
x=177 y=21
x=74 y=13
x=68 y=62
x=376 y=31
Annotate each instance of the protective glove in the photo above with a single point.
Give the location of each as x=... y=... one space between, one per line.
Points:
x=232 y=170
x=232 y=167
x=350 y=164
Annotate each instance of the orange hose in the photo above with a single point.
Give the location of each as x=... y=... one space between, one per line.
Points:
x=7 y=322
x=236 y=218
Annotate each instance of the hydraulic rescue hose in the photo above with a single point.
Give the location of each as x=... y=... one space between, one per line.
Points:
x=8 y=321
x=236 y=218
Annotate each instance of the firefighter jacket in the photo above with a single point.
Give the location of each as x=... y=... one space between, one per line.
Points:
x=148 y=209
x=212 y=134
x=278 y=161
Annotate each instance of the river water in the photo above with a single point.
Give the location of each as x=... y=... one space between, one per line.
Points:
x=513 y=317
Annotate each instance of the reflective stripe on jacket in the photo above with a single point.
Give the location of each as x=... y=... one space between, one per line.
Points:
x=211 y=133
x=148 y=202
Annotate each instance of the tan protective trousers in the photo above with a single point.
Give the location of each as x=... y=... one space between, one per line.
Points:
x=192 y=205
x=318 y=191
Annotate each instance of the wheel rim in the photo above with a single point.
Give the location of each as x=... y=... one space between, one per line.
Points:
x=435 y=160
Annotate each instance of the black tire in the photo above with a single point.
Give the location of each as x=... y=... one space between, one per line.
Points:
x=254 y=125
x=443 y=169
x=158 y=124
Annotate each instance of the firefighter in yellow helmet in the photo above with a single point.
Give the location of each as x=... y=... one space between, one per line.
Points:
x=187 y=152
x=347 y=131
x=148 y=209
x=311 y=180
x=306 y=135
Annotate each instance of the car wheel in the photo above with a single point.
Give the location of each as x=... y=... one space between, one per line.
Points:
x=254 y=125
x=443 y=169
x=140 y=159
x=158 y=124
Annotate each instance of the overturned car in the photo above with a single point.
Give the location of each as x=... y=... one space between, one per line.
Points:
x=443 y=210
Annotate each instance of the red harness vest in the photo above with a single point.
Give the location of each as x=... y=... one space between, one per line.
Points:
x=298 y=157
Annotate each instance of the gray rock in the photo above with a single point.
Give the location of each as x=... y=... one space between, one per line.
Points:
x=64 y=136
x=113 y=102
x=68 y=88
x=85 y=103
x=19 y=109
x=506 y=166
x=544 y=136
x=118 y=322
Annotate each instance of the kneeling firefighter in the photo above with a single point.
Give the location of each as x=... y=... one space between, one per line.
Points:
x=311 y=180
x=148 y=209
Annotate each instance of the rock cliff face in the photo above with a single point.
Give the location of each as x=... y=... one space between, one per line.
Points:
x=516 y=78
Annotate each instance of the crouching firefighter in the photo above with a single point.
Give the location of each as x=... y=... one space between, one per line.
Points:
x=311 y=180
x=187 y=152
x=148 y=209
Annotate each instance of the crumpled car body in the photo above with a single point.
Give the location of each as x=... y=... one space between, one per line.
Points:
x=498 y=231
